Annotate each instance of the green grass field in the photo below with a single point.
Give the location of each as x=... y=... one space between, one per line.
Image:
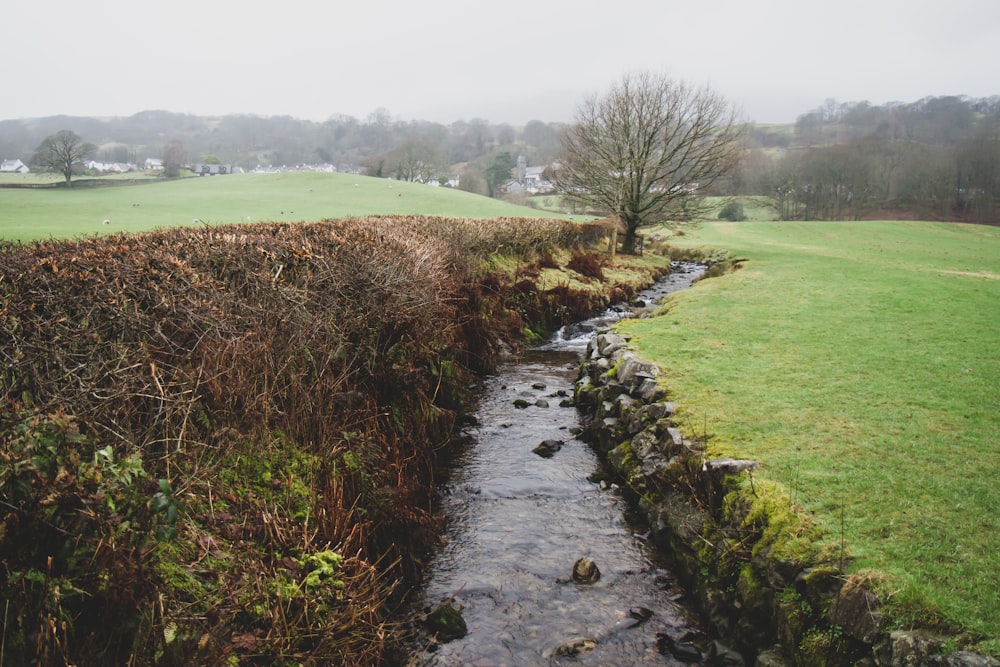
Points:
x=27 y=214
x=860 y=363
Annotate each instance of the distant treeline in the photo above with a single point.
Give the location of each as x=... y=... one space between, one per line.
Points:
x=479 y=153
x=937 y=158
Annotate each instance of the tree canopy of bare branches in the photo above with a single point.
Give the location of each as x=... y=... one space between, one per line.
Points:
x=63 y=151
x=648 y=149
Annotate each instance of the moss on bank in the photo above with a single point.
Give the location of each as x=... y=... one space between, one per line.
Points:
x=770 y=578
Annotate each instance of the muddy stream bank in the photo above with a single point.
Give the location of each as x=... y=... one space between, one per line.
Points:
x=519 y=519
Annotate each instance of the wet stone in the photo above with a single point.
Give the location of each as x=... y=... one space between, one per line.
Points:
x=598 y=476
x=726 y=656
x=547 y=448
x=576 y=646
x=731 y=466
x=446 y=623
x=640 y=613
x=585 y=571
x=682 y=650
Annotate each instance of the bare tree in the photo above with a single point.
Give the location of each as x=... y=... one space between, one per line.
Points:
x=61 y=152
x=647 y=150
x=927 y=182
x=414 y=160
x=979 y=185
x=838 y=182
x=174 y=157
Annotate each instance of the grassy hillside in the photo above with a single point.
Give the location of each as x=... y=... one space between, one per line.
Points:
x=291 y=197
x=858 y=362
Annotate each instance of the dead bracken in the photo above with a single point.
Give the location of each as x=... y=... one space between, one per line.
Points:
x=228 y=434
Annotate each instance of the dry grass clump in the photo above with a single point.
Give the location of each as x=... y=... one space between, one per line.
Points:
x=587 y=265
x=219 y=442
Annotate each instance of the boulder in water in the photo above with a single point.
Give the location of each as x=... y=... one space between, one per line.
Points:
x=576 y=646
x=547 y=448
x=446 y=622
x=679 y=649
x=640 y=614
x=585 y=571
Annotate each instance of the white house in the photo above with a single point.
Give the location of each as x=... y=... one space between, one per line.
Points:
x=533 y=181
x=153 y=163
x=110 y=167
x=14 y=166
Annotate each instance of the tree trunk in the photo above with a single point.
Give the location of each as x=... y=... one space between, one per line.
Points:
x=631 y=229
x=628 y=244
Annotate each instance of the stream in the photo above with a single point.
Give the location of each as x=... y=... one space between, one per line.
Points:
x=517 y=522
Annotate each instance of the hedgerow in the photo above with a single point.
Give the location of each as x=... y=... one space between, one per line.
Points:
x=219 y=443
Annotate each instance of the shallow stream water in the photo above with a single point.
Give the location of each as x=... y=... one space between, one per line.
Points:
x=517 y=522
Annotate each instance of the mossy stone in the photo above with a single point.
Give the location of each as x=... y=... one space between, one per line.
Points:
x=446 y=623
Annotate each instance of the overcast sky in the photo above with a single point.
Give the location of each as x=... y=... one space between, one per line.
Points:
x=448 y=60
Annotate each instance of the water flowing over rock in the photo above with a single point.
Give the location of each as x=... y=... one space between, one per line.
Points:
x=548 y=447
x=516 y=525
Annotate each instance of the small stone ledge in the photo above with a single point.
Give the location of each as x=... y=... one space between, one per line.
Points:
x=775 y=612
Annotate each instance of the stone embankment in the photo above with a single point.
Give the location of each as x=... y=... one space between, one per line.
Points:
x=776 y=609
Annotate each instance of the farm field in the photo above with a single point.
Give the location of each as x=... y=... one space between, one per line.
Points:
x=859 y=363
x=27 y=214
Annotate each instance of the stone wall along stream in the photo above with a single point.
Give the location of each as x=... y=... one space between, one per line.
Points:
x=520 y=516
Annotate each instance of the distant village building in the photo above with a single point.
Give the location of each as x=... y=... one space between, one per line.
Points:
x=110 y=167
x=529 y=178
x=326 y=167
x=534 y=182
x=153 y=163
x=13 y=167
x=449 y=182
x=513 y=188
x=215 y=169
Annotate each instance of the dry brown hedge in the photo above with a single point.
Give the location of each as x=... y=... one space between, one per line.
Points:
x=190 y=416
